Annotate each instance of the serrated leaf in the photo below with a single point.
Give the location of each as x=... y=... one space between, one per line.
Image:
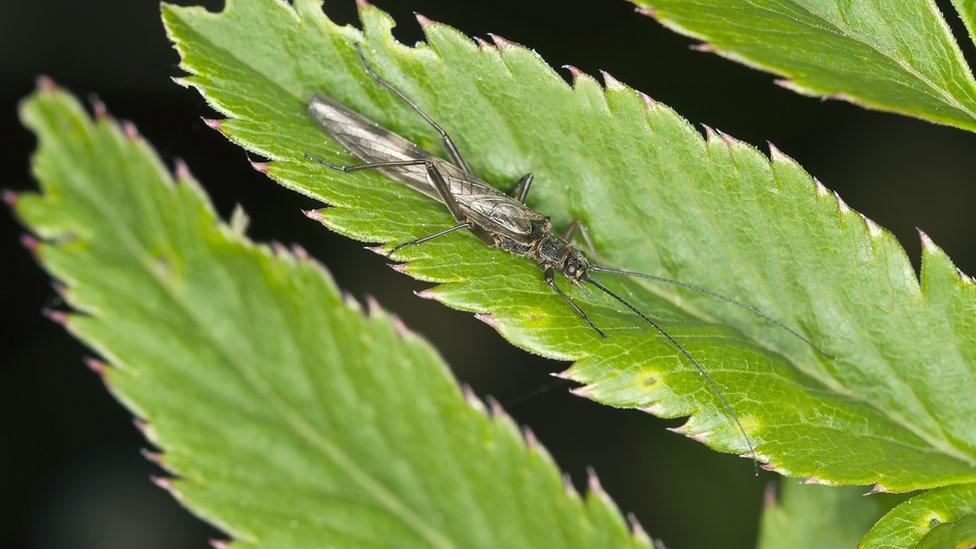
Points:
x=938 y=518
x=882 y=54
x=894 y=407
x=289 y=418
x=805 y=516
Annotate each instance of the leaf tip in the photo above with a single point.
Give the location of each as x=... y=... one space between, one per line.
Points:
x=363 y=4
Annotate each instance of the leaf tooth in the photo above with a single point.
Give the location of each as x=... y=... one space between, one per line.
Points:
x=644 y=10
x=378 y=250
x=680 y=429
x=316 y=215
x=472 y=399
x=46 y=84
x=152 y=457
x=569 y=487
x=372 y=306
x=166 y=483
x=844 y=208
x=610 y=82
x=363 y=4
x=429 y=293
x=181 y=170
x=729 y=140
x=873 y=229
x=564 y=374
x=774 y=469
x=489 y=319
x=56 y=316
x=703 y=47
x=710 y=135
x=573 y=72
x=130 y=130
x=877 y=489
x=649 y=101
x=817 y=480
x=583 y=391
x=593 y=483
x=927 y=244
x=222 y=543
x=9 y=197
x=30 y=242
x=821 y=190
x=261 y=167
x=482 y=43
x=637 y=530
x=99 y=110
x=530 y=439
x=95 y=365
x=424 y=22
x=350 y=301
x=398 y=267
x=400 y=327
x=775 y=154
x=965 y=278
x=213 y=123
x=300 y=252
x=502 y=43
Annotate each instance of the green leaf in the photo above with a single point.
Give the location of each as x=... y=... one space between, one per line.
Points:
x=882 y=54
x=895 y=407
x=819 y=516
x=289 y=418
x=938 y=518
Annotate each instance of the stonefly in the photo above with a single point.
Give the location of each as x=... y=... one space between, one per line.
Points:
x=498 y=219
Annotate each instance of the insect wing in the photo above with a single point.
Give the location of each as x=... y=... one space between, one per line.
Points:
x=371 y=142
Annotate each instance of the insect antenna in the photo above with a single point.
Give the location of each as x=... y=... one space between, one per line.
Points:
x=708 y=379
x=706 y=291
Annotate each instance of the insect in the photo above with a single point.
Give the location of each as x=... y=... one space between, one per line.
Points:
x=498 y=219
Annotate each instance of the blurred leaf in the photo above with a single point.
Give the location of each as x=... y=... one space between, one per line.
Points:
x=938 y=518
x=819 y=516
x=881 y=54
x=289 y=418
x=895 y=407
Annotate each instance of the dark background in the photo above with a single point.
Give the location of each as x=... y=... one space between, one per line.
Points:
x=71 y=471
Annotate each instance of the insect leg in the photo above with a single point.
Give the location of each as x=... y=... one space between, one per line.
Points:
x=577 y=226
x=445 y=138
x=429 y=237
x=551 y=282
x=435 y=177
x=521 y=189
